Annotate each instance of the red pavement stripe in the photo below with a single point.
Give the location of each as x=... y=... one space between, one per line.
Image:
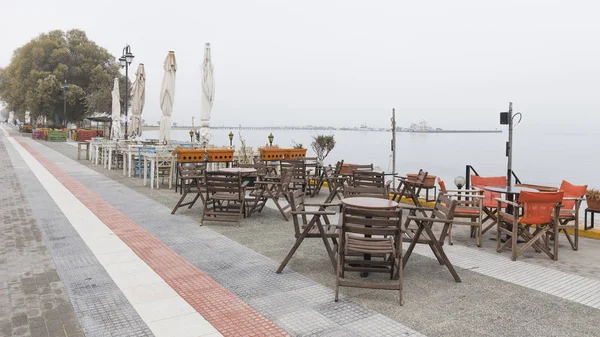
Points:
x=226 y=312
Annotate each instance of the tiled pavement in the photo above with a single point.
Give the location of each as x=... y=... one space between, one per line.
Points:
x=291 y=302
x=249 y=273
x=33 y=301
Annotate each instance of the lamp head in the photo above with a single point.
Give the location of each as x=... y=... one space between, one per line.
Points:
x=271 y=137
x=459 y=181
x=123 y=61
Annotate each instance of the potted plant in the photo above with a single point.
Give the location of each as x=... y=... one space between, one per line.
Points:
x=592 y=197
x=322 y=145
x=297 y=151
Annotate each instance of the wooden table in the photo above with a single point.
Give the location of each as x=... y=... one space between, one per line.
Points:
x=151 y=157
x=369 y=203
x=241 y=170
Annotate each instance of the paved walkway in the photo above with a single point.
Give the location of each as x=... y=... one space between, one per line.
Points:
x=224 y=275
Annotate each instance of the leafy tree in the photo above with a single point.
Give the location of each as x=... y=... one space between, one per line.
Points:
x=33 y=81
x=322 y=145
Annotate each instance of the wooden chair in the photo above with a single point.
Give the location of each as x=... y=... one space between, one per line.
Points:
x=192 y=179
x=272 y=188
x=335 y=181
x=367 y=184
x=409 y=188
x=164 y=167
x=225 y=197
x=541 y=211
x=310 y=229
x=441 y=213
x=469 y=206
x=379 y=253
x=490 y=205
x=569 y=213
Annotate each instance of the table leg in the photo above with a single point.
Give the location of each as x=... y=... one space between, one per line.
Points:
x=109 y=159
x=151 y=173
x=145 y=170
x=96 y=154
x=124 y=156
x=129 y=155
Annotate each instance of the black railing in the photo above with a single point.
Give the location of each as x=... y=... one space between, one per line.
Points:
x=470 y=169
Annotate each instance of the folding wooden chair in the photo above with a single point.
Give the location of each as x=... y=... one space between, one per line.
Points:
x=569 y=213
x=272 y=188
x=442 y=213
x=409 y=188
x=310 y=229
x=469 y=206
x=376 y=234
x=541 y=211
x=490 y=206
x=191 y=176
x=225 y=197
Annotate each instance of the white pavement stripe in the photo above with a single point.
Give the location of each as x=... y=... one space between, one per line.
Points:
x=163 y=310
x=579 y=289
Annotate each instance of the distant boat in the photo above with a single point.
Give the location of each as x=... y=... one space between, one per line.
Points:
x=363 y=126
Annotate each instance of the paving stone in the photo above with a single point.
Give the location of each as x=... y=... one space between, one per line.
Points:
x=29 y=238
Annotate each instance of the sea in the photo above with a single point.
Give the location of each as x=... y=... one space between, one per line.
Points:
x=539 y=157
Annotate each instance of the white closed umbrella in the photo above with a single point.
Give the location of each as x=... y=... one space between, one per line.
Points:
x=208 y=96
x=115 y=129
x=167 y=96
x=138 y=98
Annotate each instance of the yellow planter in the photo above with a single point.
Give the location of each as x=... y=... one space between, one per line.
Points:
x=274 y=153
x=294 y=153
x=220 y=155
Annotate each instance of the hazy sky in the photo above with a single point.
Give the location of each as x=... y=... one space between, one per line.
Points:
x=454 y=63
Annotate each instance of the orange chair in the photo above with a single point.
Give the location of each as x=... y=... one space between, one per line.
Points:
x=540 y=212
x=569 y=213
x=490 y=206
x=469 y=206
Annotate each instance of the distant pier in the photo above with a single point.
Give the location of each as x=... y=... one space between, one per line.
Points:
x=317 y=128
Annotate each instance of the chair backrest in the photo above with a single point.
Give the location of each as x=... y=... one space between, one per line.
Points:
x=442 y=185
x=358 y=167
x=489 y=198
x=368 y=179
x=538 y=206
x=371 y=222
x=338 y=168
x=223 y=182
x=187 y=170
x=296 y=200
x=420 y=177
x=444 y=207
x=571 y=191
x=297 y=169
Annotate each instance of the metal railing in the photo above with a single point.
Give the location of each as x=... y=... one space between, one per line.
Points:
x=469 y=169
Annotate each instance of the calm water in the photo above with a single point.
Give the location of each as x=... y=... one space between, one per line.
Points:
x=540 y=157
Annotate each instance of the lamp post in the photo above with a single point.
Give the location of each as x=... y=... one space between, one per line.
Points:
x=191 y=136
x=459 y=182
x=271 y=138
x=230 y=139
x=65 y=89
x=506 y=118
x=125 y=61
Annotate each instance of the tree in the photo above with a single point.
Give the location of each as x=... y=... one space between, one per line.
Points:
x=33 y=81
x=322 y=145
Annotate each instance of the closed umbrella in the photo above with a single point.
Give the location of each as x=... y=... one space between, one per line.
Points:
x=115 y=129
x=167 y=96
x=208 y=96
x=138 y=98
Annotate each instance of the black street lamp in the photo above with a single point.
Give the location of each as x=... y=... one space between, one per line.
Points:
x=230 y=138
x=506 y=118
x=271 y=138
x=65 y=89
x=191 y=136
x=125 y=61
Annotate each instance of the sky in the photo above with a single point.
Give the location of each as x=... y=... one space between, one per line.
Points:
x=455 y=64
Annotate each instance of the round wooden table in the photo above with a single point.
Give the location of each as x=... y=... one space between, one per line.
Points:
x=369 y=203
x=242 y=170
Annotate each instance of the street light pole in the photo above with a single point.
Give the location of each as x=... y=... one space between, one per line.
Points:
x=125 y=61
x=65 y=89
